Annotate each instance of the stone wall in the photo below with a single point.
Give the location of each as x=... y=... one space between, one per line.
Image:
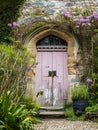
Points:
x=36 y=10
x=33 y=10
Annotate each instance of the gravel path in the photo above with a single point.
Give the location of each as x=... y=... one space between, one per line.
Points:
x=62 y=124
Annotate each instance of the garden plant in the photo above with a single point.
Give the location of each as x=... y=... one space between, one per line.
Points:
x=14 y=59
x=84 y=26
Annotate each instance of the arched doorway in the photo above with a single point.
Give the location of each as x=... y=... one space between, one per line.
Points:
x=71 y=53
x=51 y=71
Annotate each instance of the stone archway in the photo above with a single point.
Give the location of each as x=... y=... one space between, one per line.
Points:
x=38 y=34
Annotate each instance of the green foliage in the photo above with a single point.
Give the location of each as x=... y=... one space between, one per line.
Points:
x=93 y=108
x=13 y=68
x=30 y=104
x=13 y=65
x=69 y=113
x=93 y=111
x=95 y=52
x=93 y=90
x=9 y=12
x=13 y=116
x=67 y=105
x=36 y=26
x=80 y=92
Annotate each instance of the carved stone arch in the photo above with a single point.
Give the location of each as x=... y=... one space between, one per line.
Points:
x=32 y=39
x=72 y=46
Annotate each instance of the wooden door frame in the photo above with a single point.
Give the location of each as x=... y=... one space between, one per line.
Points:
x=73 y=46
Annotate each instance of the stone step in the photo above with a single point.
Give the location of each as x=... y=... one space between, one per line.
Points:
x=51 y=113
x=51 y=108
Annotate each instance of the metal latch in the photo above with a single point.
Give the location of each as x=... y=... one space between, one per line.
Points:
x=51 y=73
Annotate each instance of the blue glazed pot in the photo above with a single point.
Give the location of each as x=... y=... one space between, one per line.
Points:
x=79 y=106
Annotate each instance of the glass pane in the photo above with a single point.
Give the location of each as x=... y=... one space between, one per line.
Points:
x=51 y=40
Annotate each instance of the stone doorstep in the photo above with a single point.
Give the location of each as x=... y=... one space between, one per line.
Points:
x=51 y=113
x=51 y=108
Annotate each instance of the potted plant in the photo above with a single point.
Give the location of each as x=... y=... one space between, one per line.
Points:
x=79 y=97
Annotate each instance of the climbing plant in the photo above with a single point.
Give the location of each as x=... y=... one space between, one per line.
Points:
x=84 y=27
x=9 y=12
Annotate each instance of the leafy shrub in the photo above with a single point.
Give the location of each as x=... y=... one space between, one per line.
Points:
x=93 y=90
x=13 y=65
x=80 y=92
x=92 y=113
x=69 y=114
x=30 y=104
x=92 y=108
x=67 y=105
x=14 y=116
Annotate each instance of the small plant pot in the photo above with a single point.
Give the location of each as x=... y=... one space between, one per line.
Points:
x=79 y=106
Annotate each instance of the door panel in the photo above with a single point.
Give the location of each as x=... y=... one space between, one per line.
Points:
x=54 y=87
x=43 y=82
x=60 y=82
x=46 y=81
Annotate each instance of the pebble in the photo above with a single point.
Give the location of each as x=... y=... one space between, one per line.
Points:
x=63 y=124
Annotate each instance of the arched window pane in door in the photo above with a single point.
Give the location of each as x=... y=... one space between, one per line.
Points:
x=51 y=40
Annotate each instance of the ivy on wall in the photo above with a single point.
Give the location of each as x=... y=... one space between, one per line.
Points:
x=9 y=12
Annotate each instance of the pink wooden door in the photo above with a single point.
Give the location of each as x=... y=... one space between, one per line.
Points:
x=54 y=86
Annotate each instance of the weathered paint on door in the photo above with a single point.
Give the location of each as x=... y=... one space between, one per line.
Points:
x=51 y=77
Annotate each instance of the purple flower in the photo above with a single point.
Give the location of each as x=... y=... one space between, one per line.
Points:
x=89 y=80
x=15 y=24
x=76 y=20
x=9 y=24
x=88 y=17
x=83 y=24
x=89 y=24
x=95 y=15
x=67 y=14
x=87 y=20
x=84 y=20
x=81 y=20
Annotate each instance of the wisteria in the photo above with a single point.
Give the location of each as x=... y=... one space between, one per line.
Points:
x=83 y=25
x=9 y=24
x=95 y=15
x=89 y=80
x=82 y=20
x=67 y=14
x=13 y=24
